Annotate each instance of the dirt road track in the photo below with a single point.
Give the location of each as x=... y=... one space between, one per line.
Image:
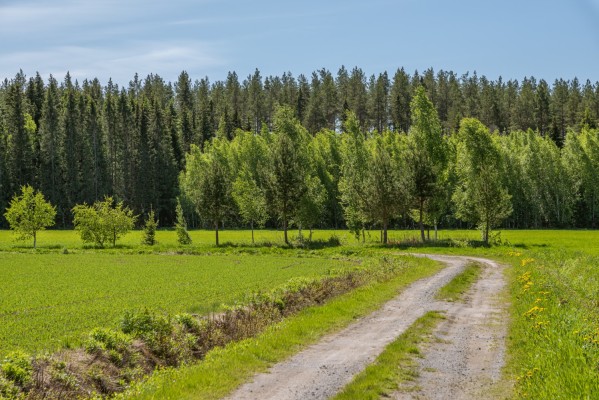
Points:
x=321 y=370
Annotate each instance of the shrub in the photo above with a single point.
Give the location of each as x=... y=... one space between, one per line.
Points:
x=17 y=368
x=103 y=221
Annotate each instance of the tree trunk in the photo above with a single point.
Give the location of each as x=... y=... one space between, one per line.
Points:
x=34 y=240
x=435 y=231
x=310 y=237
x=385 y=231
x=114 y=238
x=421 y=223
x=252 y=226
x=285 y=231
x=363 y=235
x=216 y=232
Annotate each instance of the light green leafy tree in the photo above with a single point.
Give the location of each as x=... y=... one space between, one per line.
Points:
x=311 y=205
x=354 y=164
x=207 y=182
x=103 y=221
x=250 y=200
x=289 y=164
x=427 y=156
x=29 y=213
x=581 y=155
x=480 y=197
x=386 y=187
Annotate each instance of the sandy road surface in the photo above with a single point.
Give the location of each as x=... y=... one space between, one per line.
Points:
x=321 y=370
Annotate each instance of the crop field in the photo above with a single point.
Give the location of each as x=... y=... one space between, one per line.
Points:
x=49 y=300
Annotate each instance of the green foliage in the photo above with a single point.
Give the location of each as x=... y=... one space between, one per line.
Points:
x=207 y=182
x=385 y=189
x=132 y=143
x=373 y=182
x=427 y=158
x=150 y=226
x=103 y=221
x=480 y=197
x=16 y=367
x=29 y=213
x=581 y=160
x=311 y=204
x=140 y=324
x=353 y=175
x=181 y=226
x=250 y=200
x=289 y=166
x=104 y=339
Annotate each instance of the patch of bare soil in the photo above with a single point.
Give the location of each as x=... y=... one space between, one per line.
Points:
x=321 y=370
x=465 y=361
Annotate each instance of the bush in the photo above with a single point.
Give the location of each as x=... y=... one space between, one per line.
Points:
x=103 y=221
x=106 y=339
x=17 y=368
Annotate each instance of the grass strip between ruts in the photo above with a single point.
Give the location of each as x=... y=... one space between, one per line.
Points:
x=394 y=365
x=226 y=368
x=459 y=285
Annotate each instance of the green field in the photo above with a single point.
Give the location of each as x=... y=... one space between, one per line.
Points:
x=586 y=241
x=51 y=299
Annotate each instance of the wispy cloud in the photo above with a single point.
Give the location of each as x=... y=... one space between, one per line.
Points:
x=165 y=59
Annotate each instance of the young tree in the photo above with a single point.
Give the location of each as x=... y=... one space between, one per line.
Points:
x=428 y=154
x=207 y=182
x=103 y=221
x=29 y=213
x=289 y=162
x=480 y=197
x=384 y=188
x=311 y=205
x=150 y=229
x=353 y=175
x=181 y=226
x=250 y=200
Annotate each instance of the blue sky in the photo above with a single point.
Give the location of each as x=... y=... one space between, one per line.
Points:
x=115 y=38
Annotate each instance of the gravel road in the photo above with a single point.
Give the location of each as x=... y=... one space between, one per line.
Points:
x=466 y=361
x=321 y=370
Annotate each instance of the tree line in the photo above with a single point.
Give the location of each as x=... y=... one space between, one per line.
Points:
x=78 y=143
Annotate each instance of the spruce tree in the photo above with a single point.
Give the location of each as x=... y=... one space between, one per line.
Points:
x=50 y=147
x=181 y=226
x=150 y=226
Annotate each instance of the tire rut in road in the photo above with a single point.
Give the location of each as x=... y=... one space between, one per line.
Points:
x=466 y=361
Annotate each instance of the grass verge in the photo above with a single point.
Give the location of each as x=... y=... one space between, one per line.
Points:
x=459 y=285
x=554 y=335
x=394 y=365
x=225 y=368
